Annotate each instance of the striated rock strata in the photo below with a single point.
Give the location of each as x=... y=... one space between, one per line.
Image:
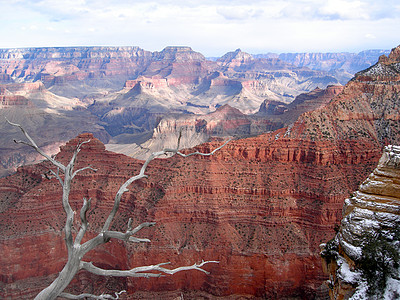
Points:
x=126 y=90
x=257 y=206
x=261 y=205
x=225 y=121
x=369 y=227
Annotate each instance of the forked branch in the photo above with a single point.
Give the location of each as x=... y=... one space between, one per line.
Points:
x=144 y=271
x=35 y=146
x=76 y=250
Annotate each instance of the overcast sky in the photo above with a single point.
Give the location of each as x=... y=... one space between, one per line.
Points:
x=211 y=27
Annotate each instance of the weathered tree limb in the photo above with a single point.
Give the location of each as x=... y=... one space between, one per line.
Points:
x=143 y=271
x=83 y=169
x=204 y=154
x=86 y=295
x=127 y=236
x=35 y=146
x=84 y=221
x=76 y=250
x=57 y=175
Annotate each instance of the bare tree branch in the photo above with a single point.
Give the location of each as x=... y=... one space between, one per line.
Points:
x=83 y=169
x=141 y=226
x=35 y=146
x=84 y=222
x=204 y=154
x=143 y=271
x=129 y=227
x=127 y=236
x=76 y=250
x=86 y=295
x=77 y=150
x=124 y=237
x=117 y=199
x=57 y=176
x=68 y=176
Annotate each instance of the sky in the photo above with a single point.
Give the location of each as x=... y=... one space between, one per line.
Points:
x=210 y=27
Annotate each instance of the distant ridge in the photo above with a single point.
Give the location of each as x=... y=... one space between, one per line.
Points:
x=122 y=94
x=345 y=61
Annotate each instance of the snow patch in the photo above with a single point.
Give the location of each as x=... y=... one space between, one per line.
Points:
x=392 y=290
x=345 y=273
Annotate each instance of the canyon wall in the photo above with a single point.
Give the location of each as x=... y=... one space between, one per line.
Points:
x=350 y=62
x=257 y=206
x=261 y=205
x=52 y=120
x=226 y=121
x=123 y=92
x=362 y=259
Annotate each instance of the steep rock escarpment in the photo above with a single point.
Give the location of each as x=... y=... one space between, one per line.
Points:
x=58 y=65
x=225 y=121
x=289 y=113
x=256 y=206
x=197 y=129
x=261 y=205
x=288 y=187
x=350 y=62
x=362 y=261
x=129 y=89
x=367 y=108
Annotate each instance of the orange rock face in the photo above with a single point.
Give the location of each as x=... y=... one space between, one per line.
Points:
x=258 y=207
x=261 y=206
x=371 y=211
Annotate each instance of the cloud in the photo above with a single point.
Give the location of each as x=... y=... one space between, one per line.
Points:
x=344 y=10
x=238 y=12
x=211 y=26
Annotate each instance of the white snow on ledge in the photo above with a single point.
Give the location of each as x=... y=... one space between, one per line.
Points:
x=391 y=156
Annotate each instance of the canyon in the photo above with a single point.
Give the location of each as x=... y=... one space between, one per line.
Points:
x=261 y=205
x=125 y=95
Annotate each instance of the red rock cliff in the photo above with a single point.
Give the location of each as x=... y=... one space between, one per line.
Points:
x=261 y=206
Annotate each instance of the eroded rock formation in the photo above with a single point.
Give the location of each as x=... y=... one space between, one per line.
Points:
x=255 y=209
x=225 y=121
x=369 y=229
x=261 y=205
x=51 y=119
x=126 y=91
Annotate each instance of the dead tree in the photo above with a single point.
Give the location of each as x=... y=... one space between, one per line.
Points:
x=77 y=250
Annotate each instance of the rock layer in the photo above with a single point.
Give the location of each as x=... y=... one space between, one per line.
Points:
x=372 y=210
x=252 y=208
x=261 y=205
x=126 y=91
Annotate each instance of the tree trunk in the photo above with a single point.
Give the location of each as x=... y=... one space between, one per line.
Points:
x=62 y=281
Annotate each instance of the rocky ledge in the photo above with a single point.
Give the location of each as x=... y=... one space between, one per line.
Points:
x=363 y=259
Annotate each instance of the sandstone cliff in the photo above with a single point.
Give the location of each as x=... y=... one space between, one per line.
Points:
x=341 y=65
x=59 y=65
x=259 y=211
x=261 y=206
x=181 y=81
x=225 y=121
x=128 y=89
x=350 y=62
x=362 y=261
